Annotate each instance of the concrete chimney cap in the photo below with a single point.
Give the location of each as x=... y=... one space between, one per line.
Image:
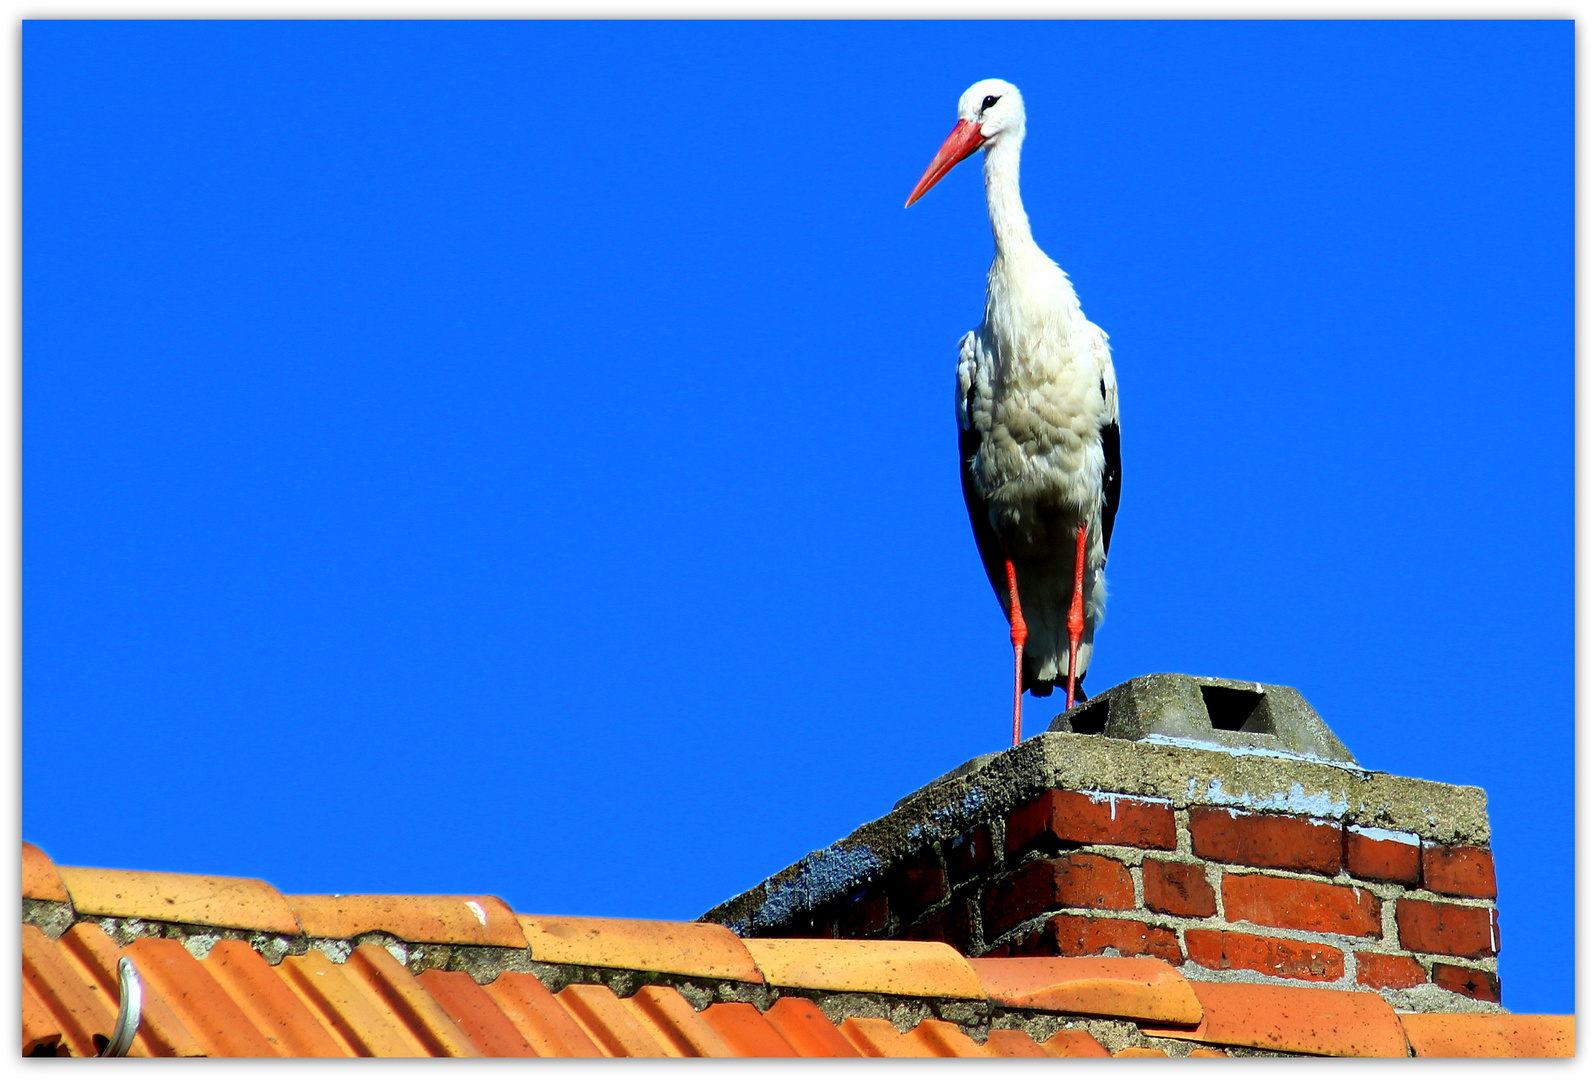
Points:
x=1193 y=710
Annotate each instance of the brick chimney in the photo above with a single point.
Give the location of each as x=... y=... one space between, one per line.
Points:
x=1216 y=824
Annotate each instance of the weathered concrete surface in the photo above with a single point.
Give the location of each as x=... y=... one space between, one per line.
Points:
x=1246 y=778
x=1220 y=711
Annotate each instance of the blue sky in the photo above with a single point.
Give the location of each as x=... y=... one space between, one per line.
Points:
x=519 y=458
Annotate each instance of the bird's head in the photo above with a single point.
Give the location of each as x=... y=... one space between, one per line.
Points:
x=989 y=113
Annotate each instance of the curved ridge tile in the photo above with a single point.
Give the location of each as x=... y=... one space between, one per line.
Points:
x=40 y=879
x=905 y=968
x=1298 y=1019
x=451 y=920
x=1132 y=988
x=705 y=950
x=236 y=903
x=1488 y=1035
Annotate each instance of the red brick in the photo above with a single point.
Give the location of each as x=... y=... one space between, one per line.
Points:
x=1301 y=905
x=1428 y=927
x=861 y=916
x=1043 y=885
x=1087 y=935
x=951 y=925
x=1278 y=841
x=1177 y=888
x=1459 y=871
x=1469 y=982
x=1381 y=860
x=915 y=887
x=972 y=855
x=1384 y=971
x=1226 y=949
x=1076 y=817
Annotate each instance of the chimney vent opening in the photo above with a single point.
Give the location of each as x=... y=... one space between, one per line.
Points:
x=1237 y=710
x=1091 y=720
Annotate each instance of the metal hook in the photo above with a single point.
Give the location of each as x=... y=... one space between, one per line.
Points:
x=128 y=1014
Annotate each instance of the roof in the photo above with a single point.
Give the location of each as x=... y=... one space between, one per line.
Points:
x=231 y=967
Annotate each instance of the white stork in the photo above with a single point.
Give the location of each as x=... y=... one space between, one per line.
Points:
x=1038 y=420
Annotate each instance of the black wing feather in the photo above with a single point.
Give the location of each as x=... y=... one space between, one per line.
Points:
x=986 y=538
x=1110 y=481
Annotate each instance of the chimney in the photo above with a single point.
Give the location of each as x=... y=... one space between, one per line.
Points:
x=1219 y=825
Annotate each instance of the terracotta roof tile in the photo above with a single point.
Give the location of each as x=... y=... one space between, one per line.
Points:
x=1005 y=1042
x=390 y=983
x=746 y=1033
x=78 y=1004
x=361 y=1025
x=680 y=1027
x=1142 y=1051
x=234 y=1003
x=1074 y=1043
x=705 y=950
x=278 y=1013
x=935 y=1038
x=908 y=968
x=880 y=1038
x=540 y=1019
x=217 y=1023
x=1299 y=1019
x=40 y=1028
x=160 y=1032
x=455 y=920
x=618 y=1031
x=240 y=903
x=40 y=881
x=1140 y=988
x=1488 y=1035
x=469 y=1006
x=949 y=1040
x=806 y=1029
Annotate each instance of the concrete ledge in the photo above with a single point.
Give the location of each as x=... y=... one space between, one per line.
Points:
x=1245 y=778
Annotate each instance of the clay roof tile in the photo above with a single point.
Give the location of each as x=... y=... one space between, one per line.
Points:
x=906 y=968
x=1488 y=1035
x=279 y=1014
x=705 y=950
x=218 y=1024
x=202 y=899
x=1136 y=988
x=453 y=920
x=40 y=880
x=469 y=1006
x=1297 y=1019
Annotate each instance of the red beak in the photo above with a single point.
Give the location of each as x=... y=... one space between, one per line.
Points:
x=965 y=140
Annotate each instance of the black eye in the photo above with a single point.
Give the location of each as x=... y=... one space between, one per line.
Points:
x=989 y=102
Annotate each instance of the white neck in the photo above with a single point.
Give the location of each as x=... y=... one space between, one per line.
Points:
x=1010 y=228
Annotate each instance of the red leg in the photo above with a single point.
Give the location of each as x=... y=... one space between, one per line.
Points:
x=1076 y=609
x=1016 y=633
